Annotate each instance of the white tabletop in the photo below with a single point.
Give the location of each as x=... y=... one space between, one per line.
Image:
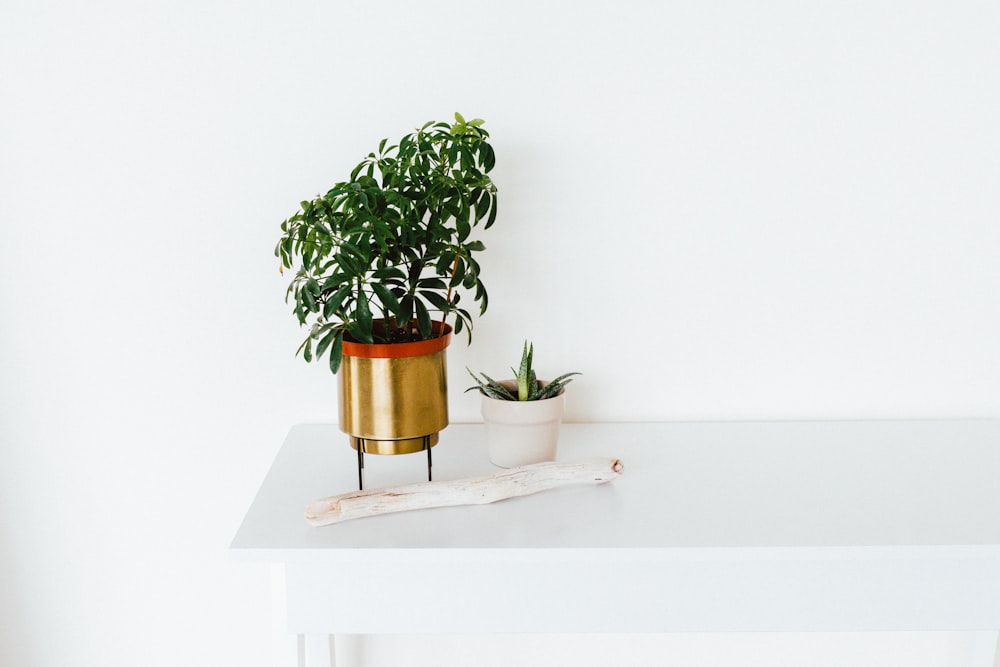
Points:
x=747 y=484
x=876 y=525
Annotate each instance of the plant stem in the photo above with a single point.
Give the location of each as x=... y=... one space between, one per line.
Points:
x=454 y=267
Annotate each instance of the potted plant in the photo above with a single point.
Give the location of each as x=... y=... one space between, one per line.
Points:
x=380 y=263
x=522 y=415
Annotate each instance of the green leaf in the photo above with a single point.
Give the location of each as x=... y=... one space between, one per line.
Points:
x=334 y=280
x=458 y=117
x=302 y=346
x=493 y=213
x=462 y=224
x=406 y=308
x=444 y=263
x=468 y=330
x=482 y=297
x=459 y=275
x=334 y=303
x=487 y=157
x=415 y=269
x=390 y=304
x=364 y=317
x=359 y=334
x=423 y=319
x=491 y=387
x=346 y=263
x=308 y=300
x=432 y=283
x=553 y=388
x=337 y=352
x=436 y=300
x=325 y=343
x=524 y=372
x=562 y=378
x=387 y=272
x=482 y=205
x=536 y=390
x=354 y=250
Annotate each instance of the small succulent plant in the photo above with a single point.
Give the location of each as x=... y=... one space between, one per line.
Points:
x=529 y=388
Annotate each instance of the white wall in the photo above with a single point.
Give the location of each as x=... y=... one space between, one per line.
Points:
x=715 y=210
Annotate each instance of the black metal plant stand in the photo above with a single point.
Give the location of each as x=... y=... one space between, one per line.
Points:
x=361 y=460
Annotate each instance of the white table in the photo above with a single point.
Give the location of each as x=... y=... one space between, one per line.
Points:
x=757 y=526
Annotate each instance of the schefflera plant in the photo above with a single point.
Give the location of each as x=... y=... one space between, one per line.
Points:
x=528 y=386
x=385 y=255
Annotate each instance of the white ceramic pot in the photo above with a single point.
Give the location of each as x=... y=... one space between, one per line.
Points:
x=522 y=432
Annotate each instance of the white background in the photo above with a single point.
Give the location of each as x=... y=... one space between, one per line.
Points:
x=714 y=210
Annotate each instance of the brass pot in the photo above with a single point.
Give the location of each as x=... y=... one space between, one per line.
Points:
x=394 y=397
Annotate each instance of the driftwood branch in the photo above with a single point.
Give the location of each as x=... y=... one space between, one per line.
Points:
x=469 y=491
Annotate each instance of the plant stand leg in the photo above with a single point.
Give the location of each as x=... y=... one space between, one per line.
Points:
x=361 y=464
x=427 y=446
x=361 y=461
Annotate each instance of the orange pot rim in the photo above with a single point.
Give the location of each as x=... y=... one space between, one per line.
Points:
x=398 y=350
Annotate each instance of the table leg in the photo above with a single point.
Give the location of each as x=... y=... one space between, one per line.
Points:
x=286 y=649
x=985 y=649
x=319 y=651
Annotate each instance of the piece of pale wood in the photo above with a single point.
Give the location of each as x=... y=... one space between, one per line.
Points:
x=511 y=483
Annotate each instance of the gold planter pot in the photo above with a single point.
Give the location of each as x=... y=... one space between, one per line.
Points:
x=394 y=398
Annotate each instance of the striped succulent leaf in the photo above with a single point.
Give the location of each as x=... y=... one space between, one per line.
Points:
x=528 y=386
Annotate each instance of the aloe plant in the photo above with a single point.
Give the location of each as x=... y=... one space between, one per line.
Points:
x=529 y=388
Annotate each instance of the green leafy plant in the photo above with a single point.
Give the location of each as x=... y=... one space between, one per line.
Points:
x=384 y=256
x=529 y=388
